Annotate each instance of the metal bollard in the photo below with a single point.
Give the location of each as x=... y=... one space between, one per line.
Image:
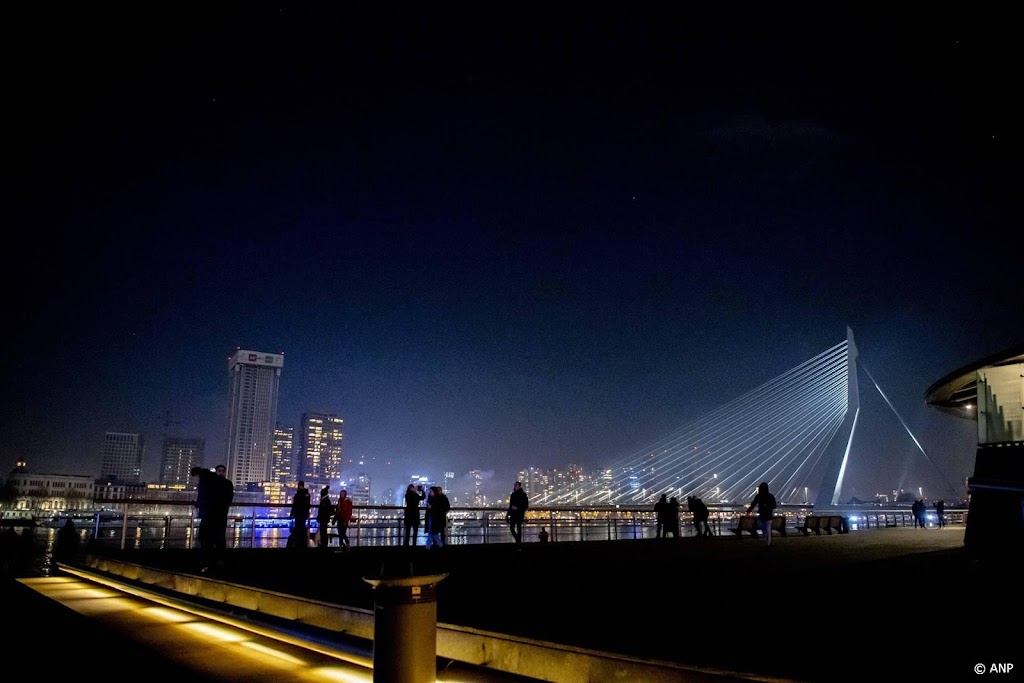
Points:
x=405 y=628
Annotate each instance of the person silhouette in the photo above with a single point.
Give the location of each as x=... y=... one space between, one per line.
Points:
x=324 y=514
x=214 y=494
x=343 y=517
x=700 y=514
x=437 y=517
x=65 y=548
x=765 y=503
x=413 y=495
x=299 y=538
x=661 y=514
x=919 y=516
x=672 y=518
x=518 y=502
x=940 y=513
x=543 y=535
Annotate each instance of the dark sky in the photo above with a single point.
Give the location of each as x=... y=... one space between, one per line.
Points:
x=505 y=238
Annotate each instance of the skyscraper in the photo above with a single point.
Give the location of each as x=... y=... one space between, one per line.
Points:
x=282 y=467
x=122 y=457
x=320 y=458
x=255 y=378
x=178 y=458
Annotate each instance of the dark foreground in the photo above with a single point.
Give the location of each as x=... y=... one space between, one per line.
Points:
x=883 y=604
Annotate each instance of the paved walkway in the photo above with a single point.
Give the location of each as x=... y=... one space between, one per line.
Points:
x=881 y=604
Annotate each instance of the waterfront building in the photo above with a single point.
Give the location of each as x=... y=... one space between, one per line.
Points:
x=321 y=449
x=122 y=457
x=990 y=391
x=254 y=382
x=179 y=456
x=42 y=494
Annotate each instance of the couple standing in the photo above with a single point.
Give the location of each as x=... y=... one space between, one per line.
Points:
x=435 y=515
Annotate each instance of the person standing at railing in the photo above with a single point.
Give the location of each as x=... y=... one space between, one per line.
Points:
x=765 y=503
x=214 y=494
x=343 y=517
x=437 y=517
x=299 y=538
x=700 y=514
x=324 y=514
x=672 y=520
x=413 y=495
x=661 y=513
x=518 y=502
x=940 y=513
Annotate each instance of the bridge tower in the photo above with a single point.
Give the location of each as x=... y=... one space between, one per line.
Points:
x=837 y=454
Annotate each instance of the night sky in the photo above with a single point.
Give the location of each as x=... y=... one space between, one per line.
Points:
x=503 y=238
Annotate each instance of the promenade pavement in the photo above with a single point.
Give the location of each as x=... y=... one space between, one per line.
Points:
x=874 y=605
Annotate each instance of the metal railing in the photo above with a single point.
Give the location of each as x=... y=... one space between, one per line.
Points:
x=173 y=524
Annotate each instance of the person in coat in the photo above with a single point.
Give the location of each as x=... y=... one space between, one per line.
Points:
x=324 y=514
x=413 y=495
x=299 y=537
x=343 y=517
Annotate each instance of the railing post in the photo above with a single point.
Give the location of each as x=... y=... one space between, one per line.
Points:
x=124 y=524
x=252 y=540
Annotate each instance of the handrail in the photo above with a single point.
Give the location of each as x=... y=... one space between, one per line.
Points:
x=267 y=524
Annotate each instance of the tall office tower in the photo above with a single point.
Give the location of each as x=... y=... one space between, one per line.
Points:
x=282 y=464
x=283 y=468
x=122 y=457
x=255 y=378
x=359 y=489
x=178 y=458
x=320 y=454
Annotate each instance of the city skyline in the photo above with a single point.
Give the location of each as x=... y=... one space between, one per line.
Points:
x=490 y=245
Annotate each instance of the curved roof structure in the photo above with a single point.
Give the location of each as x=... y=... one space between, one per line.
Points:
x=957 y=392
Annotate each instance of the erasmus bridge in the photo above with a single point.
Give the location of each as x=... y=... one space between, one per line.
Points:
x=794 y=432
